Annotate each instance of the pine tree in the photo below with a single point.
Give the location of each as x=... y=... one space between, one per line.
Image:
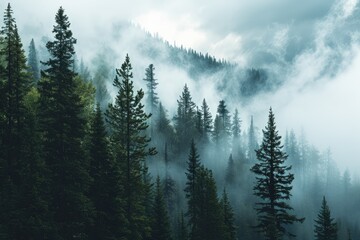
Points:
x=230 y=176
x=160 y=221
x=252 y=142
x=207 y=120
x=228 y=218
x=222 y=126
x=33 y=62
x=23 y=207
x=273 y=185
x=185 y=119
x=192 y=171
x=169 y=185
x=127 y=121
x=152 y=98
x=104 y=189
x=209 y=223
x=236 y=132
x=182 y=233
x=325 y=227
x=101 y=76
x=62 y=126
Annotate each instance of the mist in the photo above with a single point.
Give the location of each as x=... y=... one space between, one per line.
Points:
x=307 y=55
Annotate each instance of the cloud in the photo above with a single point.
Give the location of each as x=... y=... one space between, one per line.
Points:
x=311 y=46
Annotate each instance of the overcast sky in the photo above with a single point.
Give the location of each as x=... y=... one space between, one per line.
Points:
x=312 y=44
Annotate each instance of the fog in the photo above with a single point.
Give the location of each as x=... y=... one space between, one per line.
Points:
x=311 y=47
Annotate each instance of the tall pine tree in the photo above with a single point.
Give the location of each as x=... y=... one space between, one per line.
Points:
x=160 y=229
x=33 y=61
x=273 y=185
x=325 y=227
x=62 y=126
x=127 y=121
x=104 y=189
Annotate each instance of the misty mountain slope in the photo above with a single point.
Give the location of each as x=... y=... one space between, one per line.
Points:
x=229 y=78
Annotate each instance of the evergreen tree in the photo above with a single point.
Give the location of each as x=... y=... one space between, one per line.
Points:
x=160 y=221
x=228 y=218
x=101 y=76
x=185 y=119
x=169 y=185
x=236 y=132
x=33 y=61
x=23 y=207
x=325 y=227
x=207 y=120
x=230 y=176
x=222 y=126
x=252 y=142
x=163 y=128
x=199 y=125
x=192 y=171
x=127 y=121
x=152 y=98
x=209 y=223
x=104 y=190
x=182 y=233
x=62 y=126
x=273 y=185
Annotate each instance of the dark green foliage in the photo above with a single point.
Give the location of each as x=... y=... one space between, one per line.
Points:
x=127 y=121
x=182 y=233
x=325 y=227
x=228 y=218
x=204 y=212
x=185 y=119
x=104 y=188
x=236 y=136
x=163 y=128
x=22 y=184
x=208 y=222
x=62 y=126
x=33 y=62
x=169 y=185
x=222 y=125
x=102 y=74
x=152 y=98
x=230 y=176
x=252 y=142
x=192 y=171
x=207 y=120
x=273 y=185
x=160 y=229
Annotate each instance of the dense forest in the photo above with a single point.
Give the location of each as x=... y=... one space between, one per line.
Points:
x=78 y=163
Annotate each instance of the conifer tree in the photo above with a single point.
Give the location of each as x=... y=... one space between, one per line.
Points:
x=104 y=189
x=222 y=126
x=160 y=229
x=169 y=185
x=62 y=126
x=236 y=135
x=21 y=170
x=273 y=185
x=152 y=98
x=252 y=142
x=209 y=223
x=185 y=119
x=207 y=120
x=230 y=176
x=182 y=233
x=228 y=218
x=325 y=227
x=33 y=62
x=127 y=121
x=192 y=171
